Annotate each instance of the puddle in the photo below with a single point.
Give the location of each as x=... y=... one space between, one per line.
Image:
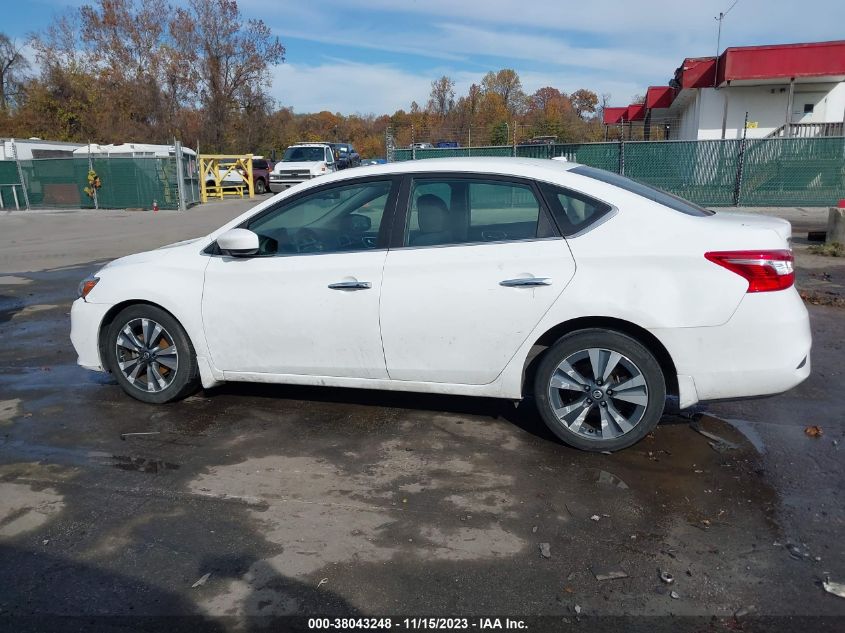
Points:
x=609 y=479
x=750 y=433
x=83 y=457
x=142 y=464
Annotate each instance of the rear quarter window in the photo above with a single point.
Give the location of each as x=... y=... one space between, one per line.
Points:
x=573 y=211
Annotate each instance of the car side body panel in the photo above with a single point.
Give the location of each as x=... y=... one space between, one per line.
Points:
x=644 y=265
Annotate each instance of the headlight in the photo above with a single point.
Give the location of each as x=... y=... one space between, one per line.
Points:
x=87 y=285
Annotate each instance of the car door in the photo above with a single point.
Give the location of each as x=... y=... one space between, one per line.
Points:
x=307 y=304
x=472 y=269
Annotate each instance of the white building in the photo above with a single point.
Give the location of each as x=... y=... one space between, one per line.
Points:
x=784 y=90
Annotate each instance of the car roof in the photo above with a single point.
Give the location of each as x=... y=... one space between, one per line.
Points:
x=309 y=145
x=506 y=165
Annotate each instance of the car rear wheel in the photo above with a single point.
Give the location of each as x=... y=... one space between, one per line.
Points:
x=260 y=187
x=599 y=390
x=150 y=355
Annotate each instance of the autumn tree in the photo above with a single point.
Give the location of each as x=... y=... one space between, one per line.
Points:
x=584 y=102
x=13 y=65
x=508 y=86
x=123 y=41
x=60 y=103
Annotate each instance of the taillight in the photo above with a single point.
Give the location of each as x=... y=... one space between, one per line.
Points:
x=764 y=270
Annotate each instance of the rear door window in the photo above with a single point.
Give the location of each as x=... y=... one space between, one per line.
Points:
x=465 y=210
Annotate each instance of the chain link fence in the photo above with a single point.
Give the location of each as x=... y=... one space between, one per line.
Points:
x=126 y=182
x=750 y=172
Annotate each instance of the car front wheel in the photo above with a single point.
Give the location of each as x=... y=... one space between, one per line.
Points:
x=599 y=390
x=150 y=355
x=260 y=187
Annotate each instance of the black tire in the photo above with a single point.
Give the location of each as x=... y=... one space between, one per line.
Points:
x=260 y=186
x=635 y=360
x=179 y=371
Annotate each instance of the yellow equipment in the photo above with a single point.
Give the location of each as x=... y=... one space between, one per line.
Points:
x=214 y=168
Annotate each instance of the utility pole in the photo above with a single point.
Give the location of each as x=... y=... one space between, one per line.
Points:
x=720 y=19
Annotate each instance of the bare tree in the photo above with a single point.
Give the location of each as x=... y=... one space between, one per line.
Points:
x=13 y=65
x=442 y=96
x=230 y=59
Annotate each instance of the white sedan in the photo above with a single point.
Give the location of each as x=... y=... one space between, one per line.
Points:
x=502 y=277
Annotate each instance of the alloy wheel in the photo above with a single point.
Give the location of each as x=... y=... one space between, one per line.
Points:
x=146 y=355
x=598 y=393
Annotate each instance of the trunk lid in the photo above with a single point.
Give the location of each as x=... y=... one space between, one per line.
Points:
x=733 y=220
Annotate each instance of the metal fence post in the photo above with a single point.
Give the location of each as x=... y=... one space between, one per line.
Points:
x=180 y=175
x=621 y=168
x=740 y=163
x=20 y=178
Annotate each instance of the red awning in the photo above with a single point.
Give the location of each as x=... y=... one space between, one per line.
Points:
x=696 y=72
x=613 y=116
x=815 y=59
x=636 y=112
x=659 y=97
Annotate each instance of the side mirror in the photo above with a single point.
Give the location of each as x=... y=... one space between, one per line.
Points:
x=238 y=243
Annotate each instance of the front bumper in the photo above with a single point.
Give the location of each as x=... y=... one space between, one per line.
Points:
x=764 y=349
x=280 y=182
x=85 y=321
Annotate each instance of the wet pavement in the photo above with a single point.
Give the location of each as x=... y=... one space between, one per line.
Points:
x=280 y=500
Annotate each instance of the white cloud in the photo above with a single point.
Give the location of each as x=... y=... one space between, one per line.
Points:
x=342 y=86
x=347 y=87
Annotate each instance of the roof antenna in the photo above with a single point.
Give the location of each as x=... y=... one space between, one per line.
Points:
x=721 y=17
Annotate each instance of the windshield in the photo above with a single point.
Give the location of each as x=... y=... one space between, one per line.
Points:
x=303 y=155
x=657 y=195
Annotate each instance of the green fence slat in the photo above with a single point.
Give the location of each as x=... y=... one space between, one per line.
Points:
x=126 y=182
x=775 y=171
x=793 y=171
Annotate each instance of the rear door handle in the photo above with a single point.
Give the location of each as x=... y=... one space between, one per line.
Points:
x=523 y=282
x=351 y=285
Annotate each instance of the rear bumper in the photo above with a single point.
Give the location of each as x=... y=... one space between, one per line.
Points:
x=85 y=320
x=764 y=349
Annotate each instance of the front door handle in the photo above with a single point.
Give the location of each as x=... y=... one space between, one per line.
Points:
x=351 y=285
x=524 y=282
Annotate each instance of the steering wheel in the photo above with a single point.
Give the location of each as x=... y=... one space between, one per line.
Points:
x=267 y=245
x=306 y=241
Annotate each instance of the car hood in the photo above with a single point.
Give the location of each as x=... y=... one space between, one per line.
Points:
x=296 y=166
x=752 y=220
x=159 y=255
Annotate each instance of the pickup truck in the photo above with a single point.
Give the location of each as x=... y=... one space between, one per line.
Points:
x=345 y=155
x=302 y=162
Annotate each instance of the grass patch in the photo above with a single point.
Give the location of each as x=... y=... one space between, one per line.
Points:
x=832 y=249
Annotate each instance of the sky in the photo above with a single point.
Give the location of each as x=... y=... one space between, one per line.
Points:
x=376 y=56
